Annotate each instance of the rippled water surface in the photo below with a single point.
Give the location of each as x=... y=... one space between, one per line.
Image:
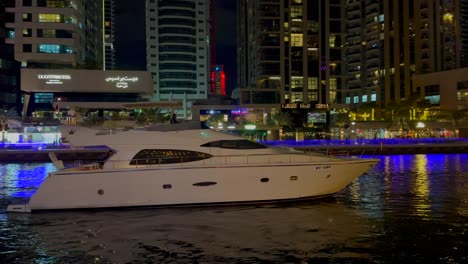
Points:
x=408 y=209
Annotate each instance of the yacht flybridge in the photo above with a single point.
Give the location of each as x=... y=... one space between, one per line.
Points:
x=173 y=165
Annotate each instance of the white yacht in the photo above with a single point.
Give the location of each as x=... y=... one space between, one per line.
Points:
x=172 y=165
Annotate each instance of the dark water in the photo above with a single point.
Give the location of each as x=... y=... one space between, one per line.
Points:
x=408 y=209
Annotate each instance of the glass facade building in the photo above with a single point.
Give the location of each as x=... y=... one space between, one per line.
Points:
x=178 y=50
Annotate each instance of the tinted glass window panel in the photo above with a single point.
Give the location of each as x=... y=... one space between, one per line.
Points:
x=167 y=156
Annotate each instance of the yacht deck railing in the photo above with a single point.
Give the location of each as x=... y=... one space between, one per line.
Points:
x=229 y=160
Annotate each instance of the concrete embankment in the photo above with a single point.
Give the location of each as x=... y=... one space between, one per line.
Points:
x=42 y=155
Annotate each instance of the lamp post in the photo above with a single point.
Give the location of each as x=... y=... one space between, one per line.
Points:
x=4 y=123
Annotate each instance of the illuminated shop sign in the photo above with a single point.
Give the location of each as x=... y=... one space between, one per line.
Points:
x=122 y=82
x=295 y=106
x=54 y=78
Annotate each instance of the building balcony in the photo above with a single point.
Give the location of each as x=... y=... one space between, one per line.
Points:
x=353 y=62
x=353 y=11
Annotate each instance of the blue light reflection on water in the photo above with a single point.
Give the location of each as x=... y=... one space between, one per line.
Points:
x=19 y=181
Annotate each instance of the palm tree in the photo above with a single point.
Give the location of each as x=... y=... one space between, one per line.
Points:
x=341 y=120
x=280 y=120
x=150 y=116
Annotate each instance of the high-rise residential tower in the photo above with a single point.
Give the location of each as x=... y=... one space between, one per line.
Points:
x=390 y=41
x=290 y=51
x=178 y=46
x=56 y=34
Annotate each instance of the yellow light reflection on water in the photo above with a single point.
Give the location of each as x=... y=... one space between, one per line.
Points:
x=421 y=187
x=460 y=185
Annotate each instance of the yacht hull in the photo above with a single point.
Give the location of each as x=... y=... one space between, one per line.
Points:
x=194 y=185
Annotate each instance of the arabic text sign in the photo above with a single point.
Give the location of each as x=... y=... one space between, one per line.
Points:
x=122 y=82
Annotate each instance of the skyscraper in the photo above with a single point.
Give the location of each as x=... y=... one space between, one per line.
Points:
x=390 y=41
x=178 y=46
x=56 y=34
x=290 y=51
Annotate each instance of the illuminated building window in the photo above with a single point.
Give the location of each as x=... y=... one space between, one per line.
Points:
x=11 y=33
x=297 y=83
x=364 y=98
x=331 y=40
x=312 y=83
x=296 y=40
x=333 y=87
x=312 y=26
x=57 y=3
x=356 y=99
x=297 y=97
x=27 y=17
x=373 y=97
x=27 y=32
x=448 y=18
x=50 y=18
x=49 y=48
x=313 y=96
x=42 y=98
x=348 y=100
x=296 y=12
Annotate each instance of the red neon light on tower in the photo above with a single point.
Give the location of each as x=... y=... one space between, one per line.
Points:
x=213 y=82
x=223 y=83
x=218 y=81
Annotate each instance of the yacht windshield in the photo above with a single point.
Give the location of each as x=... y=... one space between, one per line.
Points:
x=234 y=144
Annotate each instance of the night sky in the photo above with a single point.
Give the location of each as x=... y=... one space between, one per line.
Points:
x=130 y=37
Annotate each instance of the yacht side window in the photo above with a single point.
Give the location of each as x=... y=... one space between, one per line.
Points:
x=167 y=156
x=234 y=144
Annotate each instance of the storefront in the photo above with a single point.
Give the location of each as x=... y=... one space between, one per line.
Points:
x=46 y=89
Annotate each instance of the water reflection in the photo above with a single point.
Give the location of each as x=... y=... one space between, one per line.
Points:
x=303 y=232
x=428 y=185
x=421 y=187
x=20 y=181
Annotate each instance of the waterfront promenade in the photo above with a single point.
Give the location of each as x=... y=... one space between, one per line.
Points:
x=14 y=153
x=379 y=146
